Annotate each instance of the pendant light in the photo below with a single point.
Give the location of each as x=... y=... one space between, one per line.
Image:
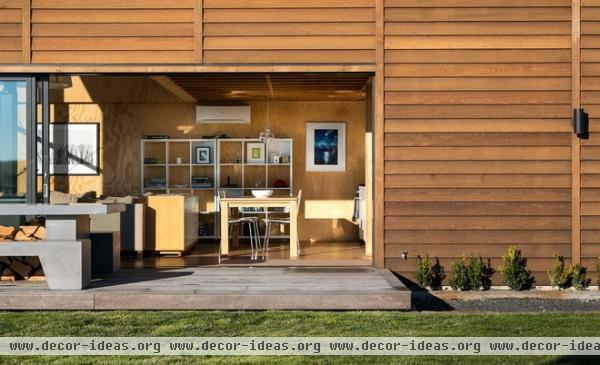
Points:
x=266 y=134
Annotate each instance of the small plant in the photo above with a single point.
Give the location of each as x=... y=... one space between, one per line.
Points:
x=560 y=276
x=563 y=277
x=580 y=281
x=475 y=275
x=514 y=270
x=479 y=274
x=460 y=276
x=424 y=272
x=427 y=275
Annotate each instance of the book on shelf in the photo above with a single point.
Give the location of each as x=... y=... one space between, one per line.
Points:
x=202 y=186
x=156 y=136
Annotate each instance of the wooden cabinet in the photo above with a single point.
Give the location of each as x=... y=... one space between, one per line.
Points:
x=175 y=222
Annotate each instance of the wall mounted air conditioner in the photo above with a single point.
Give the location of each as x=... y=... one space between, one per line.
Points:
x=206 y=114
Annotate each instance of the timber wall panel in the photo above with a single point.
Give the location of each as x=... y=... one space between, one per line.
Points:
x=477 y=130
x=301 y=31
x=590 y=149
x=110 y=31
x=11 y=31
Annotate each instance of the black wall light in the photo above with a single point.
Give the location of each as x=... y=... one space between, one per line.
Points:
x=581 y=123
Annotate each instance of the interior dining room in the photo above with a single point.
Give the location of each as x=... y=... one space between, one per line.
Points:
x=220 y=169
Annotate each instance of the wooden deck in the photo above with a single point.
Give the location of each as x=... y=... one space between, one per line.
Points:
x=221 y=288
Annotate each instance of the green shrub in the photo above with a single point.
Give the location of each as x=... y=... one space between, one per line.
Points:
x=424 y=272
x=475 y=275
x=560 y=276
x=564 y=277
x=479 y=274
x=460 y=276
x=580 y=281
x=429 y=276
x=514 y=270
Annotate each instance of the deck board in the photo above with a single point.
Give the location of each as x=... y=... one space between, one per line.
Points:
x=221 y=288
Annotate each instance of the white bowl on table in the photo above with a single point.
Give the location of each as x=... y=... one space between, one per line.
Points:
x=262 y=193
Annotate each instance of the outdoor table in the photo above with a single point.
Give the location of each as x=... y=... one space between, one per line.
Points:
x=288 y=202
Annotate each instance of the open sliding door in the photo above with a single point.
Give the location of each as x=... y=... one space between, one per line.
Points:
x=17 y=139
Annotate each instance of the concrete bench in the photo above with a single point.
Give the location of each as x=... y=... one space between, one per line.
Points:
x=66 y=264
x=65 y=255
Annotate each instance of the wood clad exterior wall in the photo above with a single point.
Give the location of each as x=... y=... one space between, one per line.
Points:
x=477 y=130
x=113 y=31
x=192 y=31
x=11 y=31
x=289 y=31
x=590 y=150
x=477 y=98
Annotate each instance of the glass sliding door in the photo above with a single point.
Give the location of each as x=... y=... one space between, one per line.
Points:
x=15 y=140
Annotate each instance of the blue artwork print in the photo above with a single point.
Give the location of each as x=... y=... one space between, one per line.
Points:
x=326 y=146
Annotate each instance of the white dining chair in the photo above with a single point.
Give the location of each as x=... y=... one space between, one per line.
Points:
x=269 y=221
x=252 y=222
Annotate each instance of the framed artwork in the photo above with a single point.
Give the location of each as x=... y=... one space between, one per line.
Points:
x=202 y=155
x=74 y=149
x=255 y=152
x=326 y=147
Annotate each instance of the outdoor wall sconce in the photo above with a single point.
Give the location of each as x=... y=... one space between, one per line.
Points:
x=581 y=123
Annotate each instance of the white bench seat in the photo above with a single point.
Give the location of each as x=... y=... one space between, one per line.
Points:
x=66 y=264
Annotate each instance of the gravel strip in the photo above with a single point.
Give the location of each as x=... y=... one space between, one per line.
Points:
x=507 y=301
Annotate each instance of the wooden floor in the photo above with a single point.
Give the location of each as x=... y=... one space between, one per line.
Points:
x=220 y=288
x=204 y=253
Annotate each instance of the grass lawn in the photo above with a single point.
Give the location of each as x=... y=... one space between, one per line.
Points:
x=190 y=323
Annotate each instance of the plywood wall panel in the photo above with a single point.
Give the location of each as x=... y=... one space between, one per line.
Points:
x=477 y=130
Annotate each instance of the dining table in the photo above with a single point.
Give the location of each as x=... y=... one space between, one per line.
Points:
x=289 y=202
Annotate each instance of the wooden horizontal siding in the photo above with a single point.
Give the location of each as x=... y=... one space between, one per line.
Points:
x=590 y=149
x=11 y=31
x=477 y=130
x=303 y=31
x=141 y=31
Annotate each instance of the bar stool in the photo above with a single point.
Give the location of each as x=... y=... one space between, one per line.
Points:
x=252 y=222
x=269 y=221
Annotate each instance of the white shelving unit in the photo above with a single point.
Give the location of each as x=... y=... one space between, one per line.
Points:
x=228 y=169
x=178 y=177
x=238 y=176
